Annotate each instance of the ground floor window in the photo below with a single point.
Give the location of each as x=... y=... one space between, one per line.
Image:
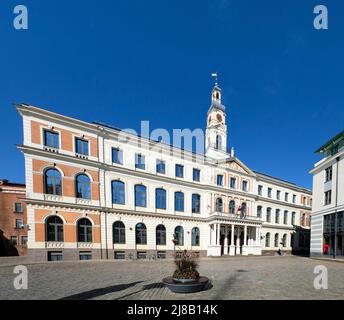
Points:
x=55 y=256
x=333 y=236
x=161 y=255
x=141 y=255
x=85 y=256
x=119 y=255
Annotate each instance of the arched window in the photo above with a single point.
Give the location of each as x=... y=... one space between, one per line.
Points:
x=53 y=182
x=118 y=230
x=141 y=233
x=243 y=209
x=195 y=237
x=54 y=229
x=219 y=205
x=268 y=214
x=140 y=196
x=179 y=235
x=83 y=187
x=218 y=142
x=285 y=218
x=160 y=199
x=179 y=201
x=118 y=192
x=232 y=206
x=161 y=235
x=284 y=240
x=276 y=240
x=267 y=240
x=84 y=230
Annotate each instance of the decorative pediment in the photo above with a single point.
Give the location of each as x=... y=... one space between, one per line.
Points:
x=235 y=164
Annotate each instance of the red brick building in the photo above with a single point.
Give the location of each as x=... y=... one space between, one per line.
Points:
x=13 y=219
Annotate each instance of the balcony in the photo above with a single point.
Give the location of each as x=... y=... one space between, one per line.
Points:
x=237 y=217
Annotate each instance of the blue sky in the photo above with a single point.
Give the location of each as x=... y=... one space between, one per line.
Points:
x=124 y=61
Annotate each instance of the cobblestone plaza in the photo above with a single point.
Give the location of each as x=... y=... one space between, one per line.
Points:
x=285 y=277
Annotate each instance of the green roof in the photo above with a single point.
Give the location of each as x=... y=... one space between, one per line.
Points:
x=331 y=143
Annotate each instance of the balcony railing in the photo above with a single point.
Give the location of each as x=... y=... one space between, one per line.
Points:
x=235 y=216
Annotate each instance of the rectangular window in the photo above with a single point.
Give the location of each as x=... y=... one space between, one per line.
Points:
x=244 y=185
x=260 y=190
x=278 y=195
x=160 y=167
x=293 y=218
x=18 y=207
x=85 y=256
x=81 y=146
x=328 y=196
x=328 y=174
x=140 y=161
x=304 y=199
x=219 y=180
x=19 y=224
x=161 y=254
x=119 y=255
x=294 y=198
x=55 y=256
x=233 y=183
x=285 y=219
x=141 y=255
x=286 y=197
x=196 y=175
x=51 y=139
x=24 y=240
x=179 y=171
x=13 y=240
x=269 y=192
x=117 y=156
x=277 y=216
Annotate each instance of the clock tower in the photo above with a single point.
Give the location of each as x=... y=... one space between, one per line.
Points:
x=216 y=132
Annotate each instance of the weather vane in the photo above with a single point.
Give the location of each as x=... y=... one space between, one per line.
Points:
x=214 y=75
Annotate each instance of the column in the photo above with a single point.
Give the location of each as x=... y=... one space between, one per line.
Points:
x=232 y=236
x=245 y=236
x=225 y=244
x=211 y=234
x=232 y=246
x=257 y=237
x=218 y=234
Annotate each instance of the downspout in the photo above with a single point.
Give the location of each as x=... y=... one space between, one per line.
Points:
x=335 y=210
x=106 y=233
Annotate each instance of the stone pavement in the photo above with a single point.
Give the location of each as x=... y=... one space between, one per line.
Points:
x=285 y=277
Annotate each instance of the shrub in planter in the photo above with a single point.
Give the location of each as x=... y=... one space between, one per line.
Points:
x=186 y=269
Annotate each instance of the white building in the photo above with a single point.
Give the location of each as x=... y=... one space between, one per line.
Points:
x=94 y=191
x=327 y=236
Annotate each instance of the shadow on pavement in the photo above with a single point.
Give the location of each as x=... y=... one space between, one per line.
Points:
x=100 y=292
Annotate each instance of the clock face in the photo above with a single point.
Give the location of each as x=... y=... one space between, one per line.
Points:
x=219 y=117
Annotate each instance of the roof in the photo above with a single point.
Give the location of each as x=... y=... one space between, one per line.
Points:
x=329 y=144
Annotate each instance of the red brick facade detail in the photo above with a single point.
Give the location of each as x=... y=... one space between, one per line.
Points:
x=10 y=219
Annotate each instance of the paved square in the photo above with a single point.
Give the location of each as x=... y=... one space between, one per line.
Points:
x=232 y=278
